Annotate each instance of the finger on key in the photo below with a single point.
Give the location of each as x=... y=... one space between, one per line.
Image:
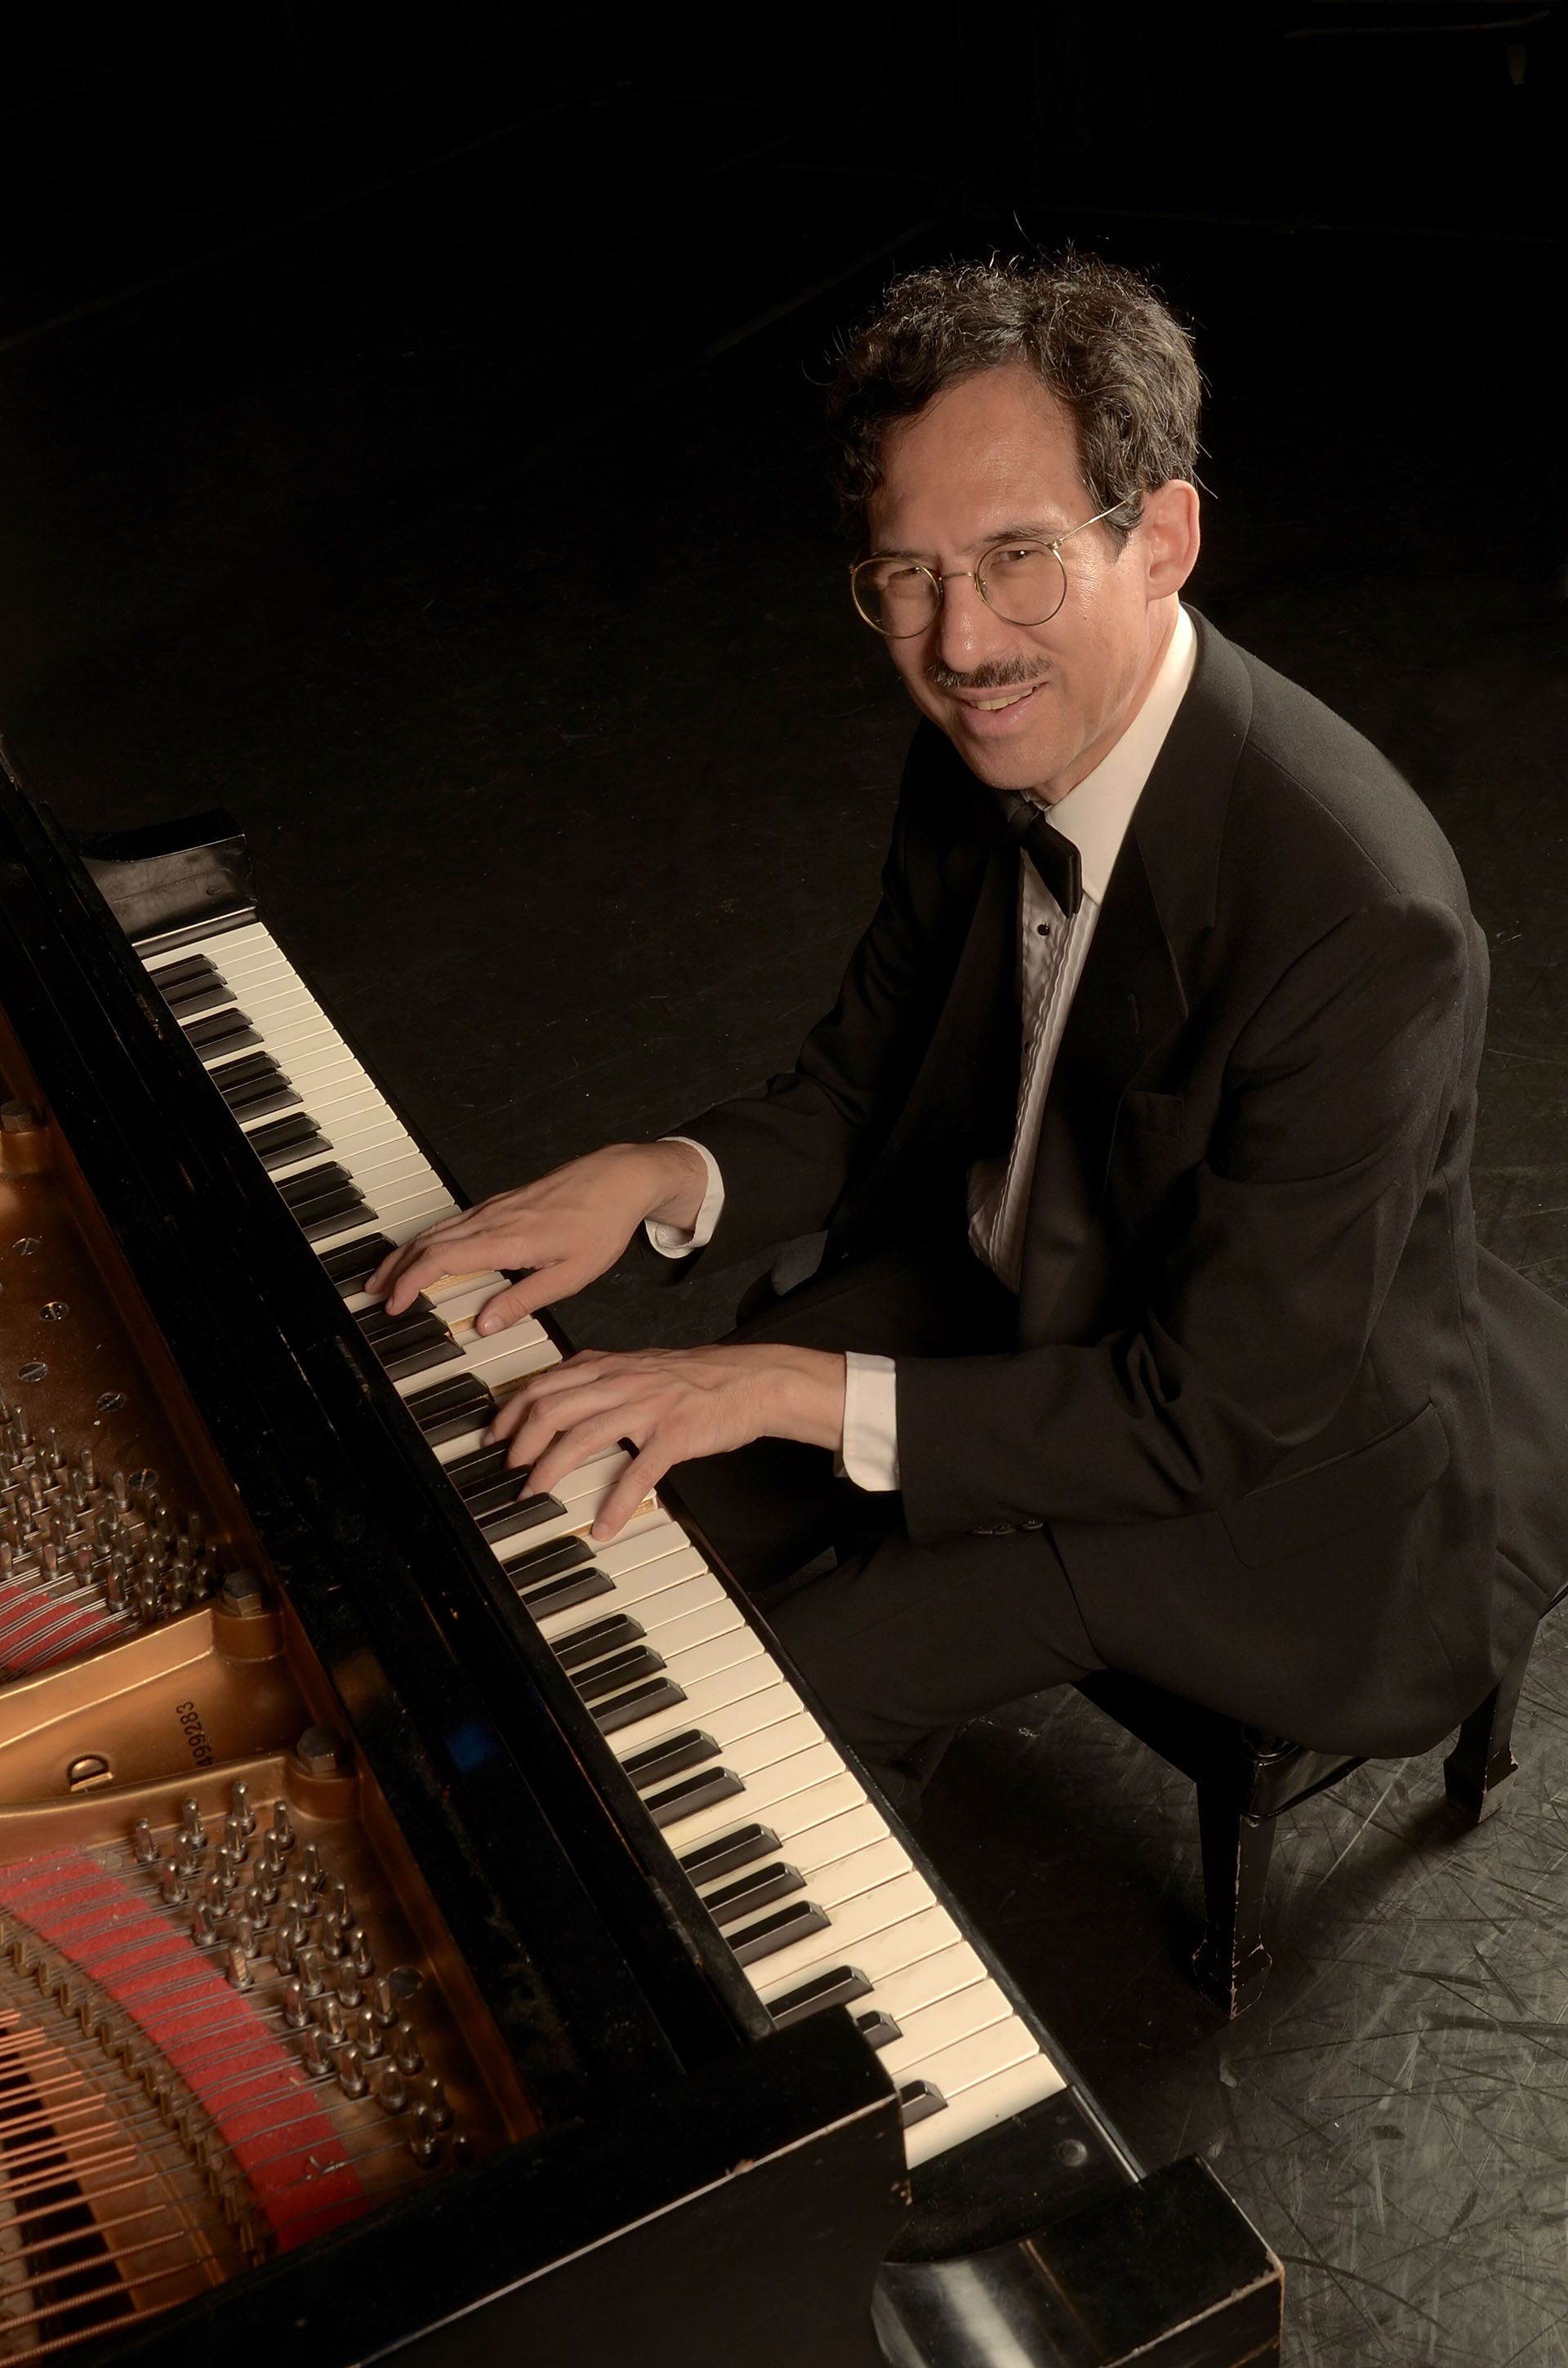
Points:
x=397 y=1262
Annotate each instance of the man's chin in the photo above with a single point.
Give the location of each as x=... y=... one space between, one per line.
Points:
x=1021 y=764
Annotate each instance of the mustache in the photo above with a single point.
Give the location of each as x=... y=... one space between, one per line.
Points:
x=1001 y=674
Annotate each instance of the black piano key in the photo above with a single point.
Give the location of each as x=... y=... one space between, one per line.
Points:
x=420 y=1356
x=378 y=1323
x=657 y=1761
x=619 y=1670
x=560 y=1594
x=510 y=1521
x=693 y=1793
x=543 y=1562
x=776 y=1931
x=333 y=1213
x=252 y=1069
x=291 y=1138
x=219 y=1031
x=918 y=2099
x=348 y=1266
x=598 y=1636
x=190 y=970
x=203 y=995
x=655 y=1694
x=877 y=2027
x=311 y=1182
x=482 y=1467
x=837 y=1988
x=253 y=1084
x=740 y=1847
x=734 y=1900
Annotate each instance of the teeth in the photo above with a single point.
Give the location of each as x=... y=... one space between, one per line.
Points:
x=990 y=706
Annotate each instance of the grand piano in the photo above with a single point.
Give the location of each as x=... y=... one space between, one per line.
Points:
x=420 y=1932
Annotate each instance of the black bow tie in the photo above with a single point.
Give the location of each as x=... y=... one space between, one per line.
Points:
x=1052 y=853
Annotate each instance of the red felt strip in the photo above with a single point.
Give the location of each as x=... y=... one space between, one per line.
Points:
x=210 y=2034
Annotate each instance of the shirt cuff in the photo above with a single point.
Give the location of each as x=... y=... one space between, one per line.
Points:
x=673 y=1241
x=871 y=1422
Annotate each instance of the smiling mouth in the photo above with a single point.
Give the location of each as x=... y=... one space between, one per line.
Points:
x=1003 y=699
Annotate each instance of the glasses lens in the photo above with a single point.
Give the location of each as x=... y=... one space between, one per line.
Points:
x=1025 y=583
x=895 y=594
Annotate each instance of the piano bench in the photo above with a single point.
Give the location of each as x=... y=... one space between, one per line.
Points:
x=1245 y=1778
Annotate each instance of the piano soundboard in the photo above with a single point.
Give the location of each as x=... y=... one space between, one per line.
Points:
x=238 y=2014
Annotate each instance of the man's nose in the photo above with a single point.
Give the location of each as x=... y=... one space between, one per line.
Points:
x=967 y=632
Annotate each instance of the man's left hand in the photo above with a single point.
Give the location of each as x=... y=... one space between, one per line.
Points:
x=671 y=1404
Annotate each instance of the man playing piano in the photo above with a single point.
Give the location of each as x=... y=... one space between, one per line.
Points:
x=1149 y=1330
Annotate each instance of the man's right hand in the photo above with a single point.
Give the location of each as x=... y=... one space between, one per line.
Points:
x=567 y=1229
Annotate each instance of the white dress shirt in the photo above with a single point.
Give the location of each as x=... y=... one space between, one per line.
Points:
x=1052 y=951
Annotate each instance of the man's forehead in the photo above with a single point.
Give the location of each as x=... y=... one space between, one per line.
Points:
x=983 y=462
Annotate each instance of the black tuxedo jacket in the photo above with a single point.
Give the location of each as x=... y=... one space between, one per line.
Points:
x=1251 y=1393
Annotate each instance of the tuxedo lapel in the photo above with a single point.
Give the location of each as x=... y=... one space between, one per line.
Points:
x=1131 y=999
x=971 y=1064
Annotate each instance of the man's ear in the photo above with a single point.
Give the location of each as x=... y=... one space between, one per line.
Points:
x=1172 y=535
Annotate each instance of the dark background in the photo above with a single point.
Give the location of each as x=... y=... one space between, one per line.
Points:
x=409 y=437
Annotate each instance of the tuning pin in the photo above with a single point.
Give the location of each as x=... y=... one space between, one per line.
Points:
x=311 y=1972
x=236 y=1968
x=421 y=2141
x=296 y=2013
x=236 y=1838
x=364 y=1964
x=189 y=1859
x=141 y=1842
x=381 y=1999
x=119 y=1491
x=282 y=1836
x=351 y=2072
x=239 y=1804
x=329 y=2015
x=204 y=1926
x=312 y=1869
x=406 y=2049
x=171 y=1883
x=391 y=2093
x=284 y=1954
x=434 y=2102
x=348 y=1985
x=313 y=2055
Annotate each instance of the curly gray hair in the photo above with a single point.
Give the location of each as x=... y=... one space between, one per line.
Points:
x=1104 y=342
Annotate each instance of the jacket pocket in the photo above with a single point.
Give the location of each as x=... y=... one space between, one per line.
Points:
x=1147 y=1113
x=1309 y=1508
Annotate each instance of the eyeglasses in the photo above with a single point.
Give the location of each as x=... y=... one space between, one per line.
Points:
x=1022 y=583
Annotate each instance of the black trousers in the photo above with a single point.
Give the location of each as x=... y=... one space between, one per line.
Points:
x=902 y=1642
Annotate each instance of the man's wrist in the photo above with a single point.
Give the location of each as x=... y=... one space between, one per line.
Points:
x=812 y=1396
x=676 y=1182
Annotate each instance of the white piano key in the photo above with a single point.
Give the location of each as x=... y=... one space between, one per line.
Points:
x=877 y=1953
x=854 y=1925
x=933 y=1974
x=926 y=2032
x=770 y=1782
x=737 y=1703
x=671 y=1617
x=980 y=2107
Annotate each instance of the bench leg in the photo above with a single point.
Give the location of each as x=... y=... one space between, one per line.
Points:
x=1232 y=1964
x=1479 y=1769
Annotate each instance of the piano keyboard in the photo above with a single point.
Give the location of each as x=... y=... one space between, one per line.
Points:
x=808 y=1881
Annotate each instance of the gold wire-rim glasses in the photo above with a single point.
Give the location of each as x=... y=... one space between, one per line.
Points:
x=975 y=575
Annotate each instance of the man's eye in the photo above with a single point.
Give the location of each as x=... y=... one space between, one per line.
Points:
x=1017 y=555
